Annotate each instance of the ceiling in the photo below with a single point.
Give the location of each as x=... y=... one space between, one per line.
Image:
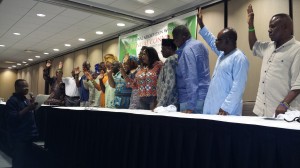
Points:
x=68 y=20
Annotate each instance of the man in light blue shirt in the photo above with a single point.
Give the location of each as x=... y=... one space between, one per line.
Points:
x=192 y=72
x=229 y=79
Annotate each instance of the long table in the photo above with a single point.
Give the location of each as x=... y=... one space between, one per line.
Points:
x=107 y=138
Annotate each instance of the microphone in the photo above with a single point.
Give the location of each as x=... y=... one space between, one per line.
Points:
x=31 y=95
x=32 y=98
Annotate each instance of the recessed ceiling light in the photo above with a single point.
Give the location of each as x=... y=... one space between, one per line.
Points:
x=14 y=66
x=46 y=53
x=37 y=56
x=9 y=67
x=17 y=34
x=40 y=15
x=149 y=11
x=19 y=64
x=1 y=45
x=56 y=49
x=68 y=45
x=81 y=39
x=120 y=24
x=24 y=62
x=30 y=59
x=99 y=32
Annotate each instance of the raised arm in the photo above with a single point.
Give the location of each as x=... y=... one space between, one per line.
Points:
x=251 y=35
x=209 y=38
x=77 y=71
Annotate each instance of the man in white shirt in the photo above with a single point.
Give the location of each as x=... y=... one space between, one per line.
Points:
x=279 y=84
x=72 y=91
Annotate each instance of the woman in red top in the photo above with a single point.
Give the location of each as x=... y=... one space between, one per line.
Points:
x=146 y=78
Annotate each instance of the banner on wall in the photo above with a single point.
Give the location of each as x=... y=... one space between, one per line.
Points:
x=151 y=36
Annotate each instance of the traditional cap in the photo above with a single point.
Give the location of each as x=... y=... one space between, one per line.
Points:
x=110 y=58
x=97 y=68
x=167 y=42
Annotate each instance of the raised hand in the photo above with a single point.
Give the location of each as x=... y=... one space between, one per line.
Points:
x=200 y=18
x=88 y=75
x=77 y=71
x=60 y=66
x=250 y=16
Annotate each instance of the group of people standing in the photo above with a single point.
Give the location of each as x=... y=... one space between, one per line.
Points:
x=144 y=82
x=183 y=80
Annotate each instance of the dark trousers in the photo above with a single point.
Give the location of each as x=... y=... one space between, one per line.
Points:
x=72 y=101
x=23 y=155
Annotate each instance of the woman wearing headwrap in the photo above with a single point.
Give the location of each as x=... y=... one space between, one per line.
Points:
x=131 y=66
x=122 y=92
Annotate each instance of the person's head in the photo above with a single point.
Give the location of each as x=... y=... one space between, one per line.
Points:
x=226 y=40
x=180 y=35
x=109 y=59
x=130 y=62
x=102 y=67
x=141 y=54
x=86 y=66
x=59 y=73
x=21 y=87
x=73 y=72
x=115 y=67
x=168 y=47
x=149 y=57
x=280 y=28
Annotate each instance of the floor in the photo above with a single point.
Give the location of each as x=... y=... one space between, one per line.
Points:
x=5 y=161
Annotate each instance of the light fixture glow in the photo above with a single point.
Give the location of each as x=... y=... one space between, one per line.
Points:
x=30 y=59
x=40 y=15
x=9 y=67
x=120 y=24
x=24 y=62
x=149 y=11
x=14 y=66
x=56 y=49
x=37 y=56
x=19 y=64
x=46 y=53
x=81 y=39
x=99 y=32
x=17 y=34
x=68 y=45
x=1 y=45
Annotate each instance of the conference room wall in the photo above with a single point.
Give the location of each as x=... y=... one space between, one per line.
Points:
x=7 y=81
x=79 y=57
x=296 y=13
x=111 y=47
x=95 y=55
x=68 y=62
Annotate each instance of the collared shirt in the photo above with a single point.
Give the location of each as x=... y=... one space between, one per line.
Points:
x=228 y=81
x=20 y=127
x=70 y=86
x=279 y=75
x=166 y=84
x=192 y=72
